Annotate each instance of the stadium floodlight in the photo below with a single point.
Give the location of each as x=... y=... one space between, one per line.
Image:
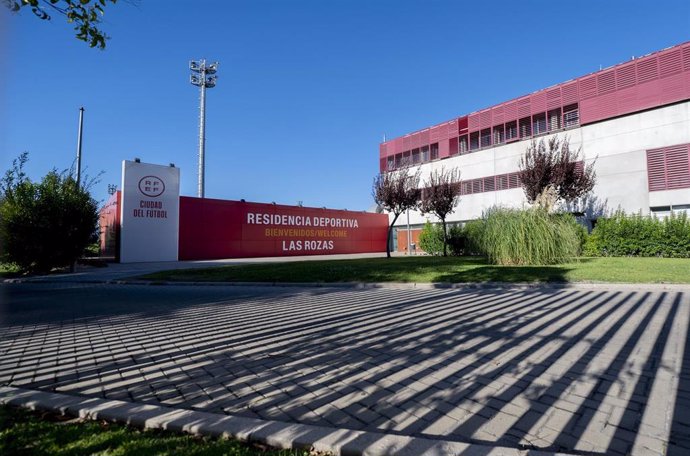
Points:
x=202 y=81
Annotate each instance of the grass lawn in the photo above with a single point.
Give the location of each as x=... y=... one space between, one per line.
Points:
x=30 y=433
x=438 y=269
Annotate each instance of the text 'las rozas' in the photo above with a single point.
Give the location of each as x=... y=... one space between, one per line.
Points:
x=289 y=246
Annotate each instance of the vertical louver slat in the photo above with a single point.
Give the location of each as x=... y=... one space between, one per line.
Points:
x=686 y=58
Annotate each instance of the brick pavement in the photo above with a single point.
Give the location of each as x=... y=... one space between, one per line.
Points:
x=589 y=371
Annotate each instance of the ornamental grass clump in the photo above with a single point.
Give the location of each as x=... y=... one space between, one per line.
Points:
x=529 y=237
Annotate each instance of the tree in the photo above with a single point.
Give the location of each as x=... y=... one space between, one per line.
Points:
x=440 y=196
x=553 y=172
x=396 y=191
x=47 y=224
x=84 y=14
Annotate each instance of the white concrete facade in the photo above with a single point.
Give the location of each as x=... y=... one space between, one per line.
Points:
x=618 y=145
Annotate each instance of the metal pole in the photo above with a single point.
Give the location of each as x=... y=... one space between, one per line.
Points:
x=81 y=125
x=409 y=242
x=202 y=129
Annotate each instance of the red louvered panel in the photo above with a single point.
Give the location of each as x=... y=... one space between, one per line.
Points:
x=588 y=87
x=686 y=58
x=589 y=111
x=607 y=105
x=425 y=138
x=383 y=149
x=672 y=88
x=452 y=129
x=513 y=180
x=538 y=102
x=606 y=82
x=553 y=98
x=656 y=170
x=647 y=70
x=462 y=125
x=502 y=182
x=626 y=76
x=452 y=146
x=570 y=93
x=497 y=114
x=477 y=185
x=382 y=164
x=474 y=122
x=416 y=140
x=443 y=148
x=648 y=94
x=670 y=63
x=489 y=184
x=524 y=108
x=434 y=133
x=485 y=118
x=626 y=99
x=677 y=167
x=406 y=142
x=510 y=111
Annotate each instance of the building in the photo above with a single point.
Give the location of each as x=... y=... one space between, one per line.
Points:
x=633 y=118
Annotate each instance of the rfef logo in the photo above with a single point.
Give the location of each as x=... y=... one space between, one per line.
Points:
x=151 y=186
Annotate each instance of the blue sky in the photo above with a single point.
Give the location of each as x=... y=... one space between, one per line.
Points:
x=306 y=89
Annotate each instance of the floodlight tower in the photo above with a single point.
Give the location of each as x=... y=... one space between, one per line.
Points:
x=203 y=76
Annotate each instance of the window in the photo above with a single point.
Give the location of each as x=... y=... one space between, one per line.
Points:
x=416 y=157
x=485 y=140
x=453 y=146
x=555 y=119
x=525 y=129
x=463 y=144
x=390 y=165
x=539 y=124
x=434 y=151
x=425 y=154
x=407 y=158
x=499 y=134
x=474 y=141
x=571 y=116
x=398 y=160
x=511 y=131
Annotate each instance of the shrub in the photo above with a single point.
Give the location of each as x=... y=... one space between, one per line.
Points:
x=456 y=240
x=637 y=235
x=529 y=237
x=431 y=239
x=473 y=232
x=47 y=224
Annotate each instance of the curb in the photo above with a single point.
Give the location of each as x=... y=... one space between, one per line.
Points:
x=387 y=285
x=339 y=442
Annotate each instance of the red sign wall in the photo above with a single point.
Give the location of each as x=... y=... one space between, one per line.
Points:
x=214 y=229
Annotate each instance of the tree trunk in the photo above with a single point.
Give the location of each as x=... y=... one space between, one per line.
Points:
x=445 y=238
x=390 y=234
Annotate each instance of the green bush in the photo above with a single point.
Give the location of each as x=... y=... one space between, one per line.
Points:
x=456 y=240
x=637 y=235
x=431 y=239
x=473 y=231
x=46 y=224
x=529 y=237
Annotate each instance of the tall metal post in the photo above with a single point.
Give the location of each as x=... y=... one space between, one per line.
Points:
x=203 y=79
x=81 y=125
x=202 y=132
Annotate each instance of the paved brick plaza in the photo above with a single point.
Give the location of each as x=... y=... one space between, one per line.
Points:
x=598 y=371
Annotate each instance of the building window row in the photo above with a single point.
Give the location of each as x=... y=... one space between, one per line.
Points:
x=516 y=130
x=490 y=183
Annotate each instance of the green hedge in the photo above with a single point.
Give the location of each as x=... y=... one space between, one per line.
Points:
x=637 y=235
x=431 y=239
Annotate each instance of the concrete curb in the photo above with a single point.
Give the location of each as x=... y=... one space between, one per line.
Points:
x=388 y=285
x=339 y=442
